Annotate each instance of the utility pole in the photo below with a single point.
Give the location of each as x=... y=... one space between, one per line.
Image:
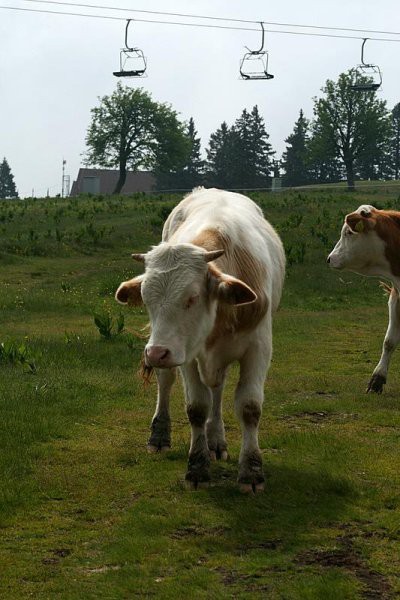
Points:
x=63 y=177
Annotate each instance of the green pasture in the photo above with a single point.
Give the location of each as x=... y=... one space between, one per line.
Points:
x=86 y=513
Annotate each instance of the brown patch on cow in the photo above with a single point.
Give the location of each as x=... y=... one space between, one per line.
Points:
x=251 y=413
x=360 y=223
x=386 y=224
x=237 y=262
x=129 y=292
x=197 y=414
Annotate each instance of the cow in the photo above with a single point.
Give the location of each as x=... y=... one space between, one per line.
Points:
x=370 y=245
x=210 y=288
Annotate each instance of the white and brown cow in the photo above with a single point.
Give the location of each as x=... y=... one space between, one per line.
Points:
x=210 y=288
x=370 y=245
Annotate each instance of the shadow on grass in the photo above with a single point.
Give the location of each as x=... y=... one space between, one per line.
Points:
x=295 y=500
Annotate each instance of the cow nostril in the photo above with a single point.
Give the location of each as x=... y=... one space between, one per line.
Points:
x=328 y=260
x=165 y=354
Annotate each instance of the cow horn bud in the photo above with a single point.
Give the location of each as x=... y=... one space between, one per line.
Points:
x=213 y=255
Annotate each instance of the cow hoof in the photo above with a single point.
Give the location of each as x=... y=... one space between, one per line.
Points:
x=197 y=481
x=160 y=437
x=152 y=449
x=251 y=488
x=197 y=485
x=376 y=384
x=218 y=455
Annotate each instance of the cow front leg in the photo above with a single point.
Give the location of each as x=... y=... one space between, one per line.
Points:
x=249 y=397
x=198 y=404
x=215 y=428
x=391 y=341
x=160 y=437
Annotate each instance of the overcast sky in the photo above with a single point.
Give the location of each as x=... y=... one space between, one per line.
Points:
x=53 y=69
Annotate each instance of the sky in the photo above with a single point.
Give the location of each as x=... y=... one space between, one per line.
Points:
x=53 y=69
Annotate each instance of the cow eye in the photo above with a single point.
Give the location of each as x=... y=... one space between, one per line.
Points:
x=191 y=301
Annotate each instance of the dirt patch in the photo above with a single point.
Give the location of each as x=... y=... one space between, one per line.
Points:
x=197 y=531
x=319 y=416
x=248 y=582
x=375 y=585
x=57 y=554
x=264 y=545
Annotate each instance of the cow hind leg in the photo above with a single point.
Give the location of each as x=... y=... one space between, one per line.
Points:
x=215 y=428
x=160 y=437
x=391 y=341
x=198 y=405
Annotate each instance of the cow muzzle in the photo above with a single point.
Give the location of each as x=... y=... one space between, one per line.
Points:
x=159 y=357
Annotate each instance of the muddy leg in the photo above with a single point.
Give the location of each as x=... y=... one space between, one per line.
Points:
x=249 y=398
x=198 y=405
x=160 y=438
x=215 y=428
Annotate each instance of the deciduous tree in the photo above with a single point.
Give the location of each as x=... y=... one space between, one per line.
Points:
x=130 y=131
x=353 y=124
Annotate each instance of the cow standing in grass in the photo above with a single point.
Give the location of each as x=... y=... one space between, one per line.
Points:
x=370 y=245
x=210 y=288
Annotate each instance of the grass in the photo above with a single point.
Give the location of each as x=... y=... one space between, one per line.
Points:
x=85 y=512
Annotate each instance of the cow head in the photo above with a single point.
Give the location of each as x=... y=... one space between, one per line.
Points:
x=181 y=288
x=359 y=248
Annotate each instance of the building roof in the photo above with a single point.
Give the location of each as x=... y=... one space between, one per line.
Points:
x=139 y=181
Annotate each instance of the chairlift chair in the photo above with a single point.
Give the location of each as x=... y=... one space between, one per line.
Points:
x=132 y=62
x=368 y=77
x=254 y=64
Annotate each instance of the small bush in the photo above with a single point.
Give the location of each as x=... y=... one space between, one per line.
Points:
x=106 y=324
x=13 y=353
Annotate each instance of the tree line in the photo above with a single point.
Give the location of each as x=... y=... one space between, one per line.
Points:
x=351 y=136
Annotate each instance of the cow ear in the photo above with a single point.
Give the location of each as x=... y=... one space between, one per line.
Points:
x=233 y=291
x=360 y=223
x=129 y=292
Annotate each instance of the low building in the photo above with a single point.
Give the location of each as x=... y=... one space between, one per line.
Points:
x=103 y=181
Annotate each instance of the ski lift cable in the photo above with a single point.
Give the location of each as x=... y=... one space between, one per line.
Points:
x=213 y=18
x=200 y=25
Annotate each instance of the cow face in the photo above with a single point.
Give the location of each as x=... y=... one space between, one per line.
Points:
x=359 y=248
x=181 y=289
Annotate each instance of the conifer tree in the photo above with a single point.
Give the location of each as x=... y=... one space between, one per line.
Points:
x=221 y=157
x=395 y=145
x=253 y=151
x=7 y=185
x=191 y=173
x=295 y=161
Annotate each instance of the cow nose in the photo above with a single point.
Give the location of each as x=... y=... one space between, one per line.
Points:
x=328 y=260
x=157 y=356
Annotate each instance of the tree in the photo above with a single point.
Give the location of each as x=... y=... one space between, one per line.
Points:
x=130 y=131
x=240 y=156
x=353 y=124
x=296 y=160
x=191 y=173
x=253 y=151
x=221 y=157
x=7 y=185
x=395 y=146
